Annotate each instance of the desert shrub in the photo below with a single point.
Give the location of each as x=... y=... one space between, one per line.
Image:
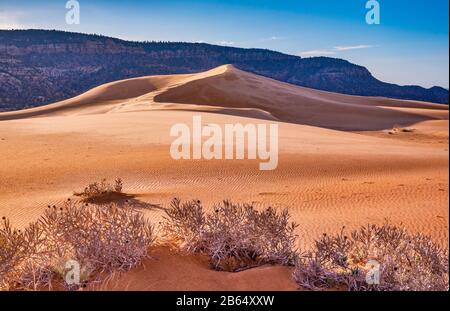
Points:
x=99 y=238
x=99 y=191
x=24 y=257
x=235 y=236
x=185 y=225
x=103 y=237
x=405 y=262
x=398 y=129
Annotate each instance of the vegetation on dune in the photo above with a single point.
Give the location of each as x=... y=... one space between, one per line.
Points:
x=102 y=192
x=381 y=258
x=398 y=129
x=234 y=236
x=106 y=238
x=98 y=238
x=377 y=258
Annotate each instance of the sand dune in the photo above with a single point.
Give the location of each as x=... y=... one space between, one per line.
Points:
x=339 y=165
x=288 y=103
x=232 y=91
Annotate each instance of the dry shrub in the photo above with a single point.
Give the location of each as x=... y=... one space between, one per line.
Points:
x=24 y=258
x=235 y=236
x=99 y=238
x=185 y=225
x=104 y=237
x=406 y=262
x=398 y=129
x=101 y=191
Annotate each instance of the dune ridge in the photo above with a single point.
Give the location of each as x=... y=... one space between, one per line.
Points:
x=231 y=91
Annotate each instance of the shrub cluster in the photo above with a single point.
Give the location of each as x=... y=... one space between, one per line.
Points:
x=99 y=238
x=235 y=236
x=107 y=238
x=388 y=255
x=397 y=129
x=99 y=191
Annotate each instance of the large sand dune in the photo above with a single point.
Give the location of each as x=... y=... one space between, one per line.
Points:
x=229 y=90
x=339 y=165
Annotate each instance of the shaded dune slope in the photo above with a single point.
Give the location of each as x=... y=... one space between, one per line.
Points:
x=234 y=88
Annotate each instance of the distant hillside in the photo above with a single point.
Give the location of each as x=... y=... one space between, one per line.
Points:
x=40 y=66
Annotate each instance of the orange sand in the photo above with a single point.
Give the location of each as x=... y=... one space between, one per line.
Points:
x=338 y=164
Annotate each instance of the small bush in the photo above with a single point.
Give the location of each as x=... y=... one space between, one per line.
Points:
x=24 y=258
x=103 y=237
x=99 y=238
x=406 y=262
x=235 y=236
x=398 y=129
x=185 y=225
x=101 y=191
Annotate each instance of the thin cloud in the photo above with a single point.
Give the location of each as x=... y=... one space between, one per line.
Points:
x=227 y=43
x=352 y=47
x=336 y=50
x=251 y=43
x=317 y=53
x=262 y=40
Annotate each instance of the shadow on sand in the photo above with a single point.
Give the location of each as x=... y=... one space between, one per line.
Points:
x=122 y=200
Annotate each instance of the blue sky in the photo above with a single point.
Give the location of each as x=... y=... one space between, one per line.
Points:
x=410 y=46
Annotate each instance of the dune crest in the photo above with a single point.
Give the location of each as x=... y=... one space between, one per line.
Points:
x=228 y=90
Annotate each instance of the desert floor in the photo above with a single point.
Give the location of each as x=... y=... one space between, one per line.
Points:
x=338 y=163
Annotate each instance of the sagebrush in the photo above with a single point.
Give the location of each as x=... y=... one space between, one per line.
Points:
x=100 y=191
x=404 y=262
x=398 y=129
x=99 y=238
x=235 y=236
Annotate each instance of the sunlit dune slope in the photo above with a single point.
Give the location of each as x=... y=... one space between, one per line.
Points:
x=327 y=176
